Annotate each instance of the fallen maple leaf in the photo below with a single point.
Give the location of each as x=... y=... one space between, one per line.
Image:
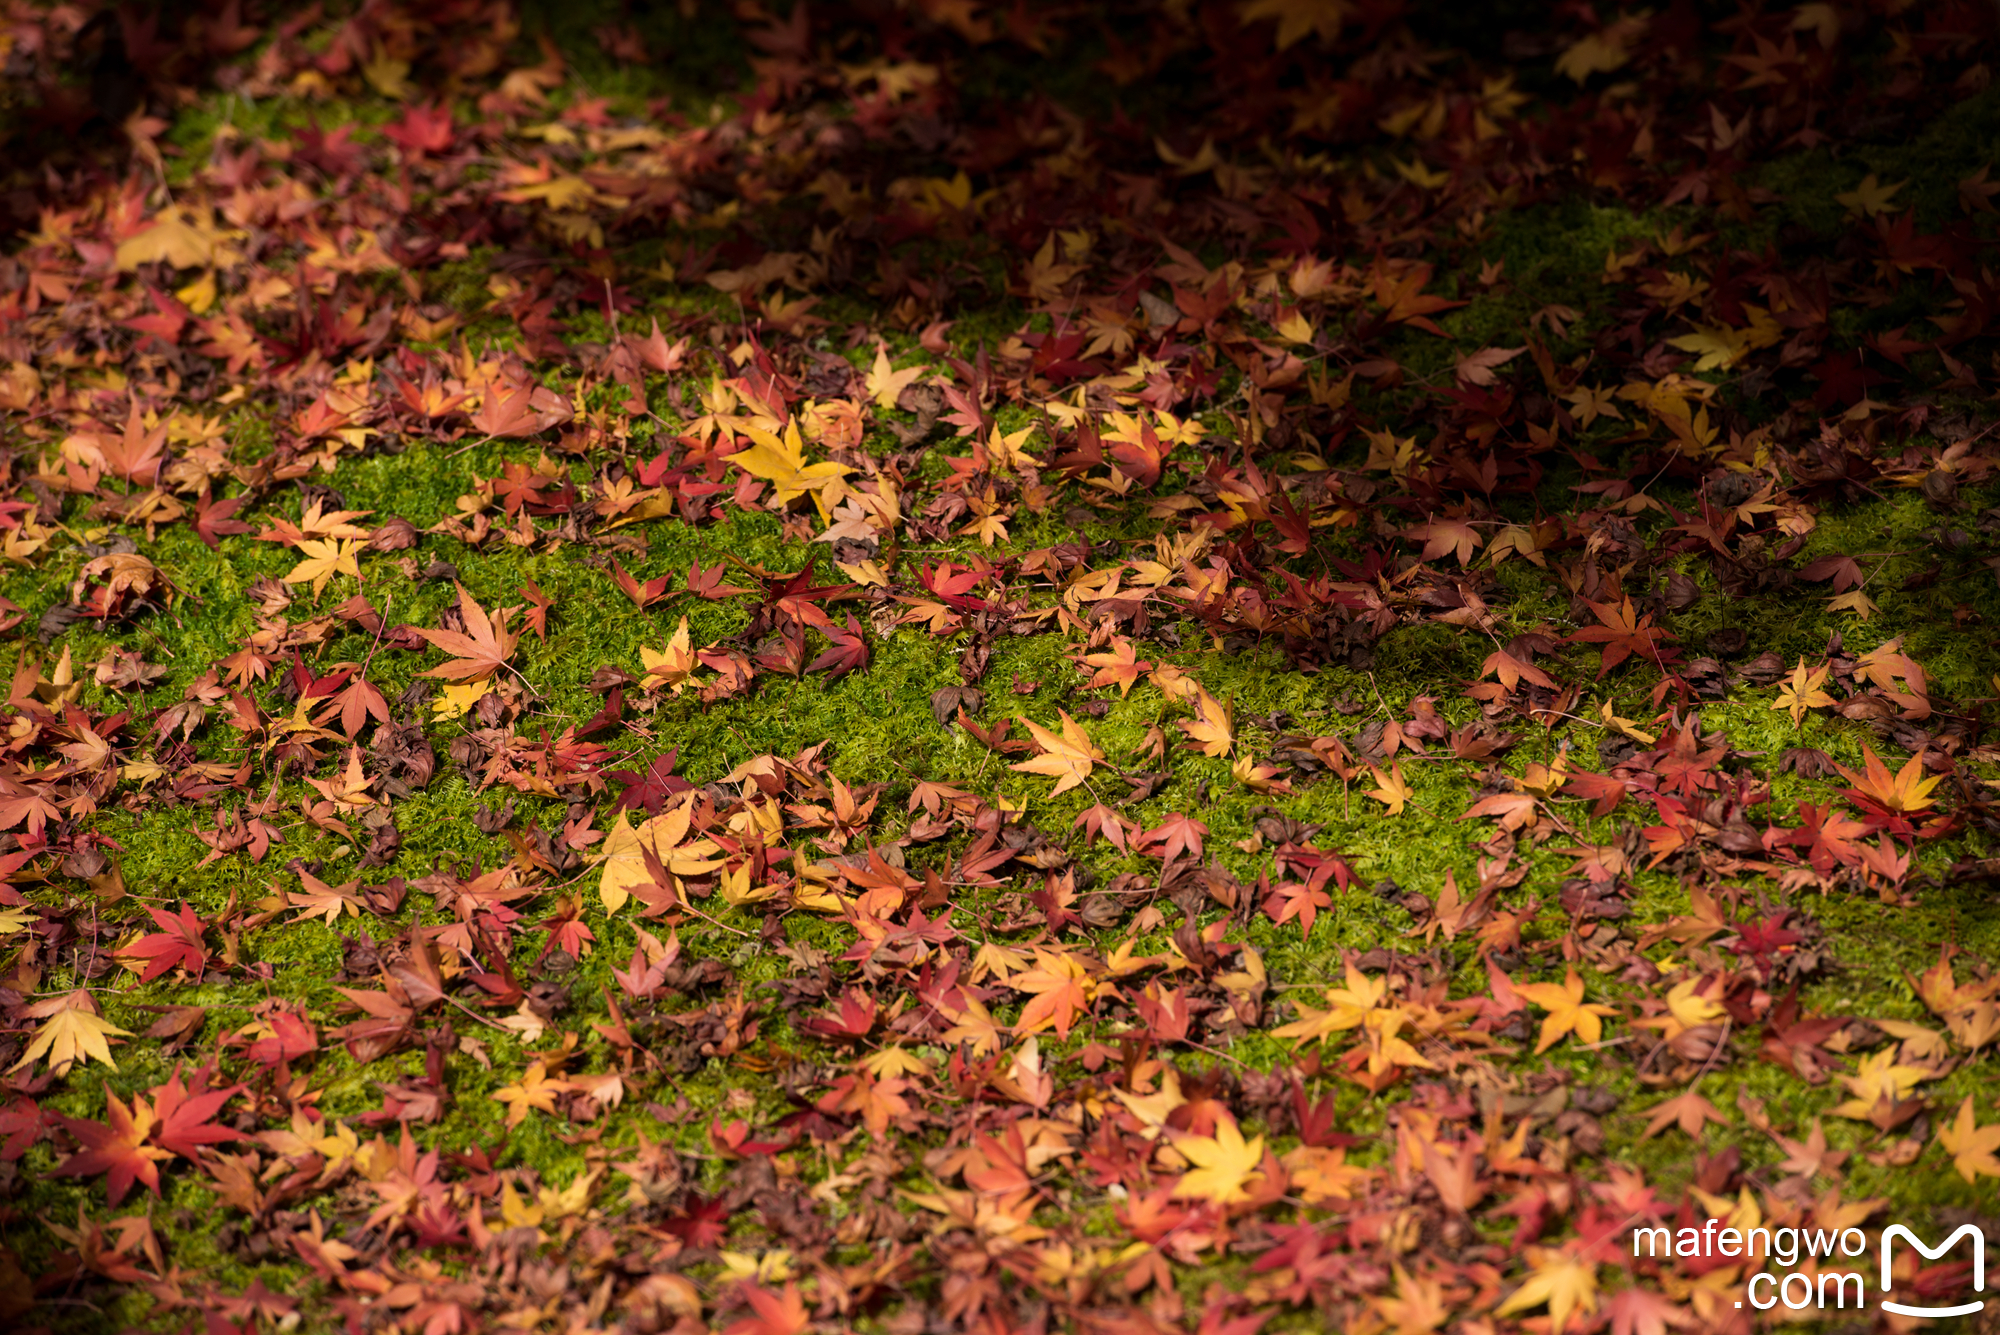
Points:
x=1295 y=899
x=1513 y=671
x=1418 y=1306
x=1622 y=632
x=1120 y=667
x=781 y=462
x=1880 y=1079
x=1390 y=789
x=1637 y=1311
x=116 y=1147
x=772 y=1313
x=1448 y=535
x=479 y=651
x=1213 y=727
x=1804 y=692
x=1688 y=1110
x=534 y=1090
x=324 y=560
x=1297 y=18
x=671 y=666
x=1903 y=793
x=1971 y=1146
x=1871 y=197
x=885 y=384
x=1564 y=1282
x=1476 y=368
x=664 y=837
x=1224 y=1165
x=184 y=239
x=1061 y=988
x=1067 y=759
x=1567 y=1011
x=177 y=945
x=74 y=1033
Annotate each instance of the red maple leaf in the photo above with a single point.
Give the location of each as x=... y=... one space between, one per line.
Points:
x=1403 y=301
x=1296 y=899
x=117 y=1147
x=1178 y=833
x=642 y=595
x=701 y=1223
x=708 y=583
x=423 y=129
x=185 y=1118
x=212 y=518
x=133 y=1141
x=177 y=945
x=21 y=1122
x=1623 y=634
x=848 y=652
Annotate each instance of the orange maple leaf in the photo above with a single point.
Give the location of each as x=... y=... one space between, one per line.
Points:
x=1567 y=1011
x=1214 y=729
x=1902 y=793
x=478 y=651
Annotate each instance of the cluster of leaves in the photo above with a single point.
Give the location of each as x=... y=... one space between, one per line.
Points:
x=992 y=1053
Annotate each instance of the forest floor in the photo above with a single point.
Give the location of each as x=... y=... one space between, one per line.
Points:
x=1220 y=666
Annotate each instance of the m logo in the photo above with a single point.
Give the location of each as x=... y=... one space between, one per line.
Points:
x=1894 y=1231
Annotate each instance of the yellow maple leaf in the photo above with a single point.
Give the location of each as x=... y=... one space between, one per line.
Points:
x=1005 y=447
x=457 y=699
x=781 y=462
x=1804 y=692
x=1879 y=1079
x=1043 y=278
x=73 y=1034
x=323 y=561
x=1855 y=601
x=1213 y=729
x=1626 y=726
x=1567 y=1011
x=1347 y=1008
x=1296 y=18
x=1067 y=759
x=1598 y=53
x=885 y=384
x=625 y=849
x=536 y=1090
x=1716 y=345
x=1418 y=1307
x=1153 y=1109
x=671 y=666
x=199 y=295
x=1178 y=685
x=1562 y=1281
x=1224 y=1165
x=183 y=239
x=737 y=890
x=562 y=193
x=1392 y=792
x=976 y=1027
x=1971 y=1145
x=387 y=75
x=1871 y=197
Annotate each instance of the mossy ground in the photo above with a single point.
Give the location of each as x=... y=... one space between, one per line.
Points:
x=880 y=729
